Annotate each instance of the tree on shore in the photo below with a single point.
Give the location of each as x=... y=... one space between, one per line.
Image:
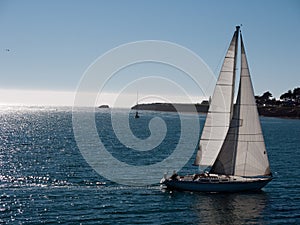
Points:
x=287 y=96
x=291 y=96
x=266 y=96
x=265 y=99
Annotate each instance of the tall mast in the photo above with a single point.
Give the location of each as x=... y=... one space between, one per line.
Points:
x=137 y=99
x=234 y=71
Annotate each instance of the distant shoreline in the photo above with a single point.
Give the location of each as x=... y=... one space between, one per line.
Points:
x=292 y=112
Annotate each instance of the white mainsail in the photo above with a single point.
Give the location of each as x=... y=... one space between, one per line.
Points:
x=243 y=152
x=220 y=110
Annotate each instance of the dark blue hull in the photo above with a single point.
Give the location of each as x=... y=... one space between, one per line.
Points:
x=232 y=186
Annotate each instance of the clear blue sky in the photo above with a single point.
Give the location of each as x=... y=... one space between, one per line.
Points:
x=53 y=42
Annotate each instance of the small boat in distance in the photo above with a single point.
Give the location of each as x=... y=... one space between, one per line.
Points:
x=103 y=107
x=136 y=115
x=232 y=156
x=137 y=105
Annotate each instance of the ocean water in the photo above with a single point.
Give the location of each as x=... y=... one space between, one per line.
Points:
x=45 y=179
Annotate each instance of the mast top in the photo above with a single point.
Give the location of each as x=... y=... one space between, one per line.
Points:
x=238 y=28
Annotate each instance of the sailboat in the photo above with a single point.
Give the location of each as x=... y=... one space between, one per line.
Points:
x=137 y=105
x=232 y=156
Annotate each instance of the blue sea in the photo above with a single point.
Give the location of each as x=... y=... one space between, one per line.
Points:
x=44 y=179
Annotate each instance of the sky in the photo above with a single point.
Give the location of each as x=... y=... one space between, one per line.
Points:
x=46 y=47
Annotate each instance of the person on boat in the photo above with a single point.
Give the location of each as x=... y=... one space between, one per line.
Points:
x=174 y=176
x=196 y=176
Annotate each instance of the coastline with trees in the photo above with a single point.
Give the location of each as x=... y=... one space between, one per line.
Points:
x=287 y=106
